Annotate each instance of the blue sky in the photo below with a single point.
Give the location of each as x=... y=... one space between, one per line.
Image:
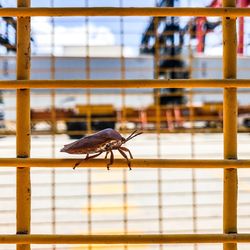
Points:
x=96 y=3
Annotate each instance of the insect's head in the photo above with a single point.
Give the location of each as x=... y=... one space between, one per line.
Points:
x=133 y=134
x=123 y=140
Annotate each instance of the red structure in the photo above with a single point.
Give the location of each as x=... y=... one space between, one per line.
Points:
x=241 y=4
x=201 y=24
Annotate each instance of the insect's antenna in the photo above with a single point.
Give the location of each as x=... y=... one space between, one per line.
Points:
x=134 y=134
x=131 y=135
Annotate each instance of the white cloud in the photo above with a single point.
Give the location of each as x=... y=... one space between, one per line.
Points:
x=68 y=36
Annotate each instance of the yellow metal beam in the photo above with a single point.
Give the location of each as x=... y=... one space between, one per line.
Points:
x=23 y=187
x=230 y=109
x=125 y=239
x=121 y=163
x=111 y=11
x=142 y=83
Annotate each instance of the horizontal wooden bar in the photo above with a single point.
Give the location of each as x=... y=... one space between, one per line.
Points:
x=142 y=83
x=121 y=163
x=128 y=11
x=125 y=239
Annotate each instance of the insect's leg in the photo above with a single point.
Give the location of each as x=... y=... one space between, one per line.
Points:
x=125 y=156
x=92 y=156
x=86 y=158
x=78 y=163
x=127 y=150
x=111 y=159
x=107 y=154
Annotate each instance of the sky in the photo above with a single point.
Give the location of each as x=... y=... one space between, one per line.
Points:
x=100 y=3
x=102 y=31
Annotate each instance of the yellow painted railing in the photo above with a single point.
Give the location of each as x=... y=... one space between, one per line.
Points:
x=95 y=84
x=125 y=239
x=110 y=11
x=23 y=238
x=135 y=163
x=230 y=113
x=23 y=186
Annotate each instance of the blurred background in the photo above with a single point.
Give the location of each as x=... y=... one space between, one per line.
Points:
x=177 y=123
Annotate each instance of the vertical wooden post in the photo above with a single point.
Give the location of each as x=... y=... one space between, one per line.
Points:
x=23 y=190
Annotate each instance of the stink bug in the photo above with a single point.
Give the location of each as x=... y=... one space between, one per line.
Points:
x=103 y=141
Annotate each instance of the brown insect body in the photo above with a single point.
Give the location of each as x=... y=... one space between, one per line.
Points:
x=103 y=141
x=95 y=143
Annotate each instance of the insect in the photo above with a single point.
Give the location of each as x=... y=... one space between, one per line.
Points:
x=103 y=141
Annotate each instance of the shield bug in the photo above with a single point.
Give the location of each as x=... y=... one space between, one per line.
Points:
x=103 y=141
